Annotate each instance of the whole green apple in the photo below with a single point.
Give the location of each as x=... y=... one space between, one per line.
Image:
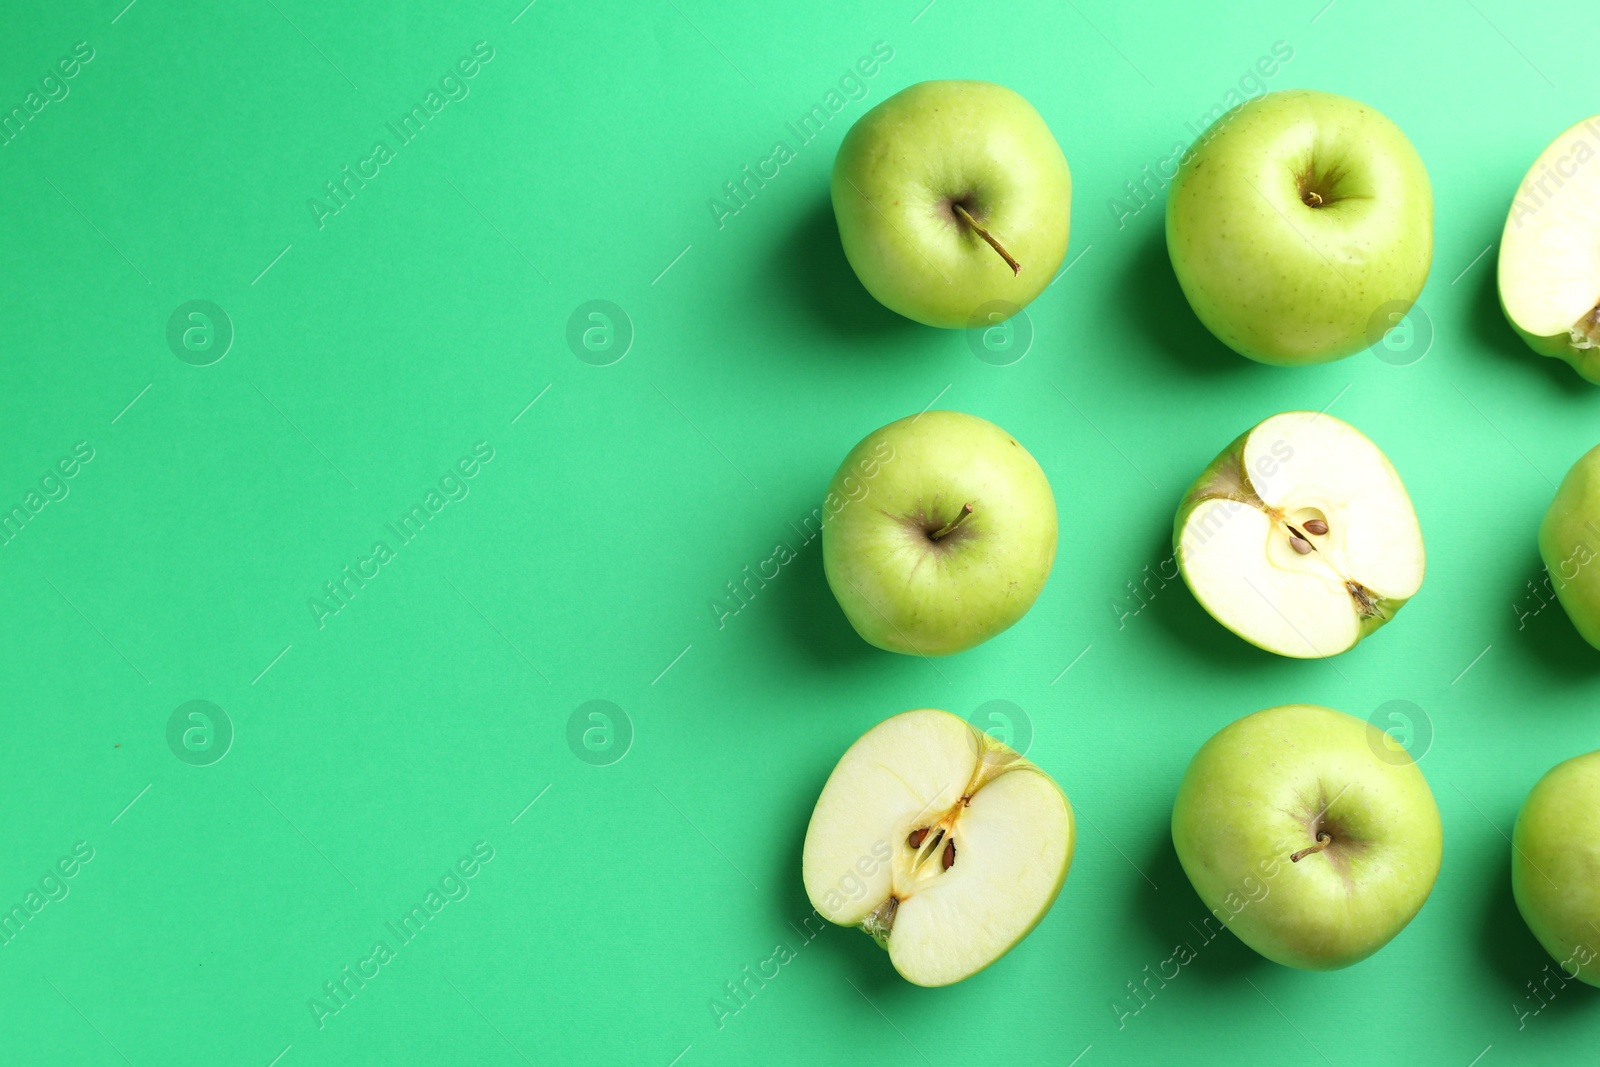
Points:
x=1300 y=537
x=1549 y=273
x=953 y=202
x=1300 y=226
x=1302 y=839
x=1555 y=864
x=938 y=533
x=1568 y=540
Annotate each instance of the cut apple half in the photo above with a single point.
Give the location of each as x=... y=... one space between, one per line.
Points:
x=1550 y=252
x=1300 y=537
x=944 y=845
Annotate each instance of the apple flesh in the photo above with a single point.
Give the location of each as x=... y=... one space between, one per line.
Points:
x=1550 y=252
x=1300 y=226
x=952 y=199
x=1569 y=540
x=939 y=533
x=1311 y=848
x=1300 y=537
x=941 y=843
x=1555 y=865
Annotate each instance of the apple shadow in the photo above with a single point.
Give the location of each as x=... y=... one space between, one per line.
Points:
x=1514 y=953
x=1492 y=330
x=1538 y=988
x=1174 y=911
x=811 y=270
x=817 y=625
x=1548 y=635
x=1155 y=307
x=1174 y=608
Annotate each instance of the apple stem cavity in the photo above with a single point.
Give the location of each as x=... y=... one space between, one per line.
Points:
x=1366 y=603
x=880 y=924
x=1586 y=331
x=962 y=213
x=949 y=527
x=1324 y=839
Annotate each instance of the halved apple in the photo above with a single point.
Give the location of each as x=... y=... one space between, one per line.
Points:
x=1300 y=537
x=1550 y=252
x=943 y=844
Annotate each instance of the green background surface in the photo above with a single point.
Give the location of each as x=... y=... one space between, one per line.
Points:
x=371 y=352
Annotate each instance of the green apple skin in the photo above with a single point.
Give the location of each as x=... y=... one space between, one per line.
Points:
x=904 y=591
x=1275 y=278
x=1555 y=864
x=903 y=166
x=1569 y=540
x=1250 y=799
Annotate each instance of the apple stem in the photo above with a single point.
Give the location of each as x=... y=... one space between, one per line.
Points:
x=1324 y=839
x=1016 y=268
x=966 y=509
